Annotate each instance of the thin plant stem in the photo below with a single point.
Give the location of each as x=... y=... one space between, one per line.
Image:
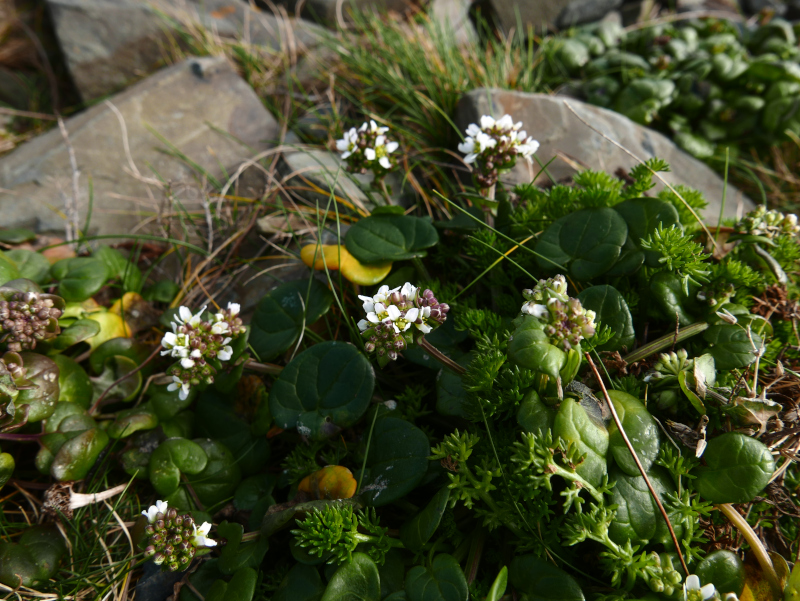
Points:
x=369 y=440
x=263 y=368
x=636 y=459
x=724 y=195
x=440 y=356
x=665 y=341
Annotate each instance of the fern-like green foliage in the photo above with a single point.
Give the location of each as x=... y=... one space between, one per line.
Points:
x=679 y=253
x=642 y=177
x=692 y=199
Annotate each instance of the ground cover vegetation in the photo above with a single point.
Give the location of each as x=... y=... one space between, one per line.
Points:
x=575 y=392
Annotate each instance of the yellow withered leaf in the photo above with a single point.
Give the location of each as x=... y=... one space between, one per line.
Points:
x=336 y=257
x=111 y=326
x=331 y=482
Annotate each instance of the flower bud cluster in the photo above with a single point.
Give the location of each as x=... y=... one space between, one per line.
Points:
x=761 y=222
x=173 y=539
x=195 y=342
x=669 y=366
x=494 y=146
x=27 y=317
x=567 y=322
x=367 y=149
x=391 y=315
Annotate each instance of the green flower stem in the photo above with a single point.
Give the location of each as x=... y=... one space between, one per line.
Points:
x=366 y=538
x=664 y=342
x=574 y=477
x=263 y=368
x=755 y=544
x=487 y=498
x=440 y=356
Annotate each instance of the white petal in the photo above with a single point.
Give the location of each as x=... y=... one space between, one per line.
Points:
x=467 y=146
x=363 y=325
x=342 y=145
x=473 y=130
x=184 y=393
x=169 y=340
x=187 y=363
x=368 y=306
x=505 y=122
x=185 y=314
x=204 y=529
x=380 y=141
x=173 y=387
x=207 y=542
x=487 y=122
x=383 y=290
x=370 y=154
x=372 y=317
x=412 y=314
x=693 y=582
x=708 y=591
x=405 y=327
x=225 y=354
x=385 y=163
x=408 y=290
x=363 y=127
x=392 y=146
x=396 y=329
x=234 y=308
x=196 y=354
x=380 y=308
x=424 y=328
x=220 y=328
x=394 y=312
x=346 y=154
x=470 y=158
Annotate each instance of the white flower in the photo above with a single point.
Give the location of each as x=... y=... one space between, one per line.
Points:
x=692 y=591
x=200 y=538
x=159 y=507
x=225 y=353
x=487 y=122
x=177 y=384
x=370 y=154
x=347 y=144
x=221 y=327
x=185 y=316
x=537 y=310
x=363 y=325
x=385 y=162
x=187 y=363
x=234 y=309
x=484 y=137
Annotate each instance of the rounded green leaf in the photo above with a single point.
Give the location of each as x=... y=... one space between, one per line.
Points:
x=612 y=310
x=638 y=517
x=539 y=580
x=281 y=315
x=529 y=347
x=419 y=529
x=324 y=388
x=8 y=269
x=534 y=416
x=642 y=431
x=16 y=235
x=302 y=583
x=33 y=558
x=499 y=585
x=398 y=460
x=74 y=385
x=731 y=346
x=6 y=468
x=78 y=331
x=31 y=265
x=589 y=240
x=77 y=456
x=220 y=477
x=173 y=457
x=79 y=278
x=41 y=399
x=573 y=425
x=119 y=267
x=235 y=554
x=442 y=581
x=384 y=238
x=724 y=570
x=737 y=468
x=130 y=421
x=357 y=580
x=643 y=216
x=242 y=587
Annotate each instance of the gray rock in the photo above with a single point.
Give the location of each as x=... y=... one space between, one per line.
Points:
x=562 y=135
x=313 y=173
x=337 y=12
x=109 y=43
x=549 y=14
x=191 y=105
x=156 y=584
x=453 y=16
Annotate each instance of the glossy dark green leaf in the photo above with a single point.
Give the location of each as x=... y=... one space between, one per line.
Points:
x=42 y=372
x=218 y=480
x=16 y=235
x=392 y=572
x=254 y=494
x=534 y=416
x=162 y=291
x=74 y=385
x=78 y=331
x=737 y=469
x=179 y=426
x=668 y=295
x=7 y=465
x=499 y=585
x=357 y=580
x=173 y=457
x=302 y=583
x=31 y=265
x=78 y=455
x=442 y=581
x=589 y=240
x=398 y=460
x=451 y=398
x=124 y=347
x=242 y=587
x=638 y=517
x=643 y=216
x=8 y=269
x=642 y=431
x=573 y=425
x=324 y=388
x=167 y=403
x=129 y=421
x=281 y=314
x=724 y=570
x=530 y=347
x=79 y=278
x=731 y=346
x=539 y=580
x=236 y=554
x=390 y=238
x=120 y=379
x=120 y=268
x=612 y=310
x=33 y=558
x=419 y=529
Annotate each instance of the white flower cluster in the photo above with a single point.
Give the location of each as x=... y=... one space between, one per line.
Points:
x=367 y=148
x=194 y=342
x=494 y=145
x=173 y=539
x=761 y=222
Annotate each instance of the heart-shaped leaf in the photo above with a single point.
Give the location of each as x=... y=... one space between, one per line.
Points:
x=539 y=580
x=419 y=529
x=281 y=315
x=33 y=558
x=642 y=431
x=573 y=425
x=123 y=347
x=737 y=468
x=442 y=581
x=724 y=570
x=302 y=583
x=398 y=460
x=357 y=580
x=324 y=388
x=31 y=265
x=79 y=278
x=173 y=457
x=235 y=554
x=529 y=347
x=74 y=385
x=383 y=238
x=588 y=241
x=220 y=477
x=638 y=518
x=612 y=311
x=732 y=346
x=242 y=587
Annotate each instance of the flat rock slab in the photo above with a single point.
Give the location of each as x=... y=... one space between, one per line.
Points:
x=575 y=145
x=200 y=106
x=109 y=43
x=550 y=14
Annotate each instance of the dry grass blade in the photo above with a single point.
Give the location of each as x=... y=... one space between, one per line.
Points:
x=638 y=463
